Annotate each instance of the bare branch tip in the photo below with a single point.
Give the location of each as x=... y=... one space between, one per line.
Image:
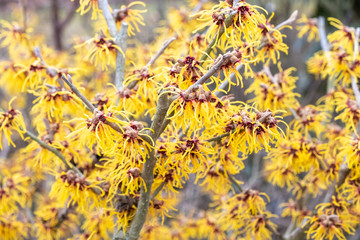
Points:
x=294 y=15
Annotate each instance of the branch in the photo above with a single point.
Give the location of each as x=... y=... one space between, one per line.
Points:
x=69 y=16
x=353 y=77
x=120 y=40
x=275 y=232
x=160 y=115
x=76 y=91
x=157 y=190
x=290 y=20
x=298 y=233
x=221 y=61
x=154 y=58
x=355 y=90
x=325 y=47
x=144 y=201
x=104 y=7
x=218 y=138
x=198 y=6
x=233 y=181
x=148 y=171
x=344 y=172
x=91 y=107
x=322 y=34
x=160 y=52
x=54 y=151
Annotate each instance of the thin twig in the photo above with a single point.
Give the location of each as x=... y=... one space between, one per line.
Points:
x=157 y=190
x=76 y=91
x=353 y=77
x=198 y=6
x=343 y=173
x=154 y=58
x=288 y=21
x=325 y=47
x=218 y=138
x=322 y=34
x=148 y=170
x=91 y=107
x=54 y=151
x=255 y=168
x=121 y=41
x=160 y=52
x=104 y=7
x=235 y=183
x=221 y=61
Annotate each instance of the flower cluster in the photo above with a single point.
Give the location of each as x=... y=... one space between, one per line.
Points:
x=146 y=138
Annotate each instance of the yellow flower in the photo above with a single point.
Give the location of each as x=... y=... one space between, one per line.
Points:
x=163 y=206
x=86 y=5
x=146 y=86
x=261 y=227
x=11 y=120
x=35 y=74
x=129 y=101
x=102 y=50
x=328 y=226
x=54 y=104
x=9 y=79
x=15 y=192
x=318 y=65
x=131 y=16
x=344 y=37
x=308 y=26
x=12 y=35
x=99 y=224
x=192 y=151
x=215 y=20
x=11 y=228
x=350 y=150
x=72 y=186
x=252 y=130
x=350 y=112
x=52 y=221
x=274 y=92
x=310 y=118
x=350 y=190
x=281 y=176
x=272 y=47
x=215 y=177
x=292 y=209
x=186 y=72
x=210 y=229
x=195 y=109
x=94 y=130
x=248 y=20
x=125 y=210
